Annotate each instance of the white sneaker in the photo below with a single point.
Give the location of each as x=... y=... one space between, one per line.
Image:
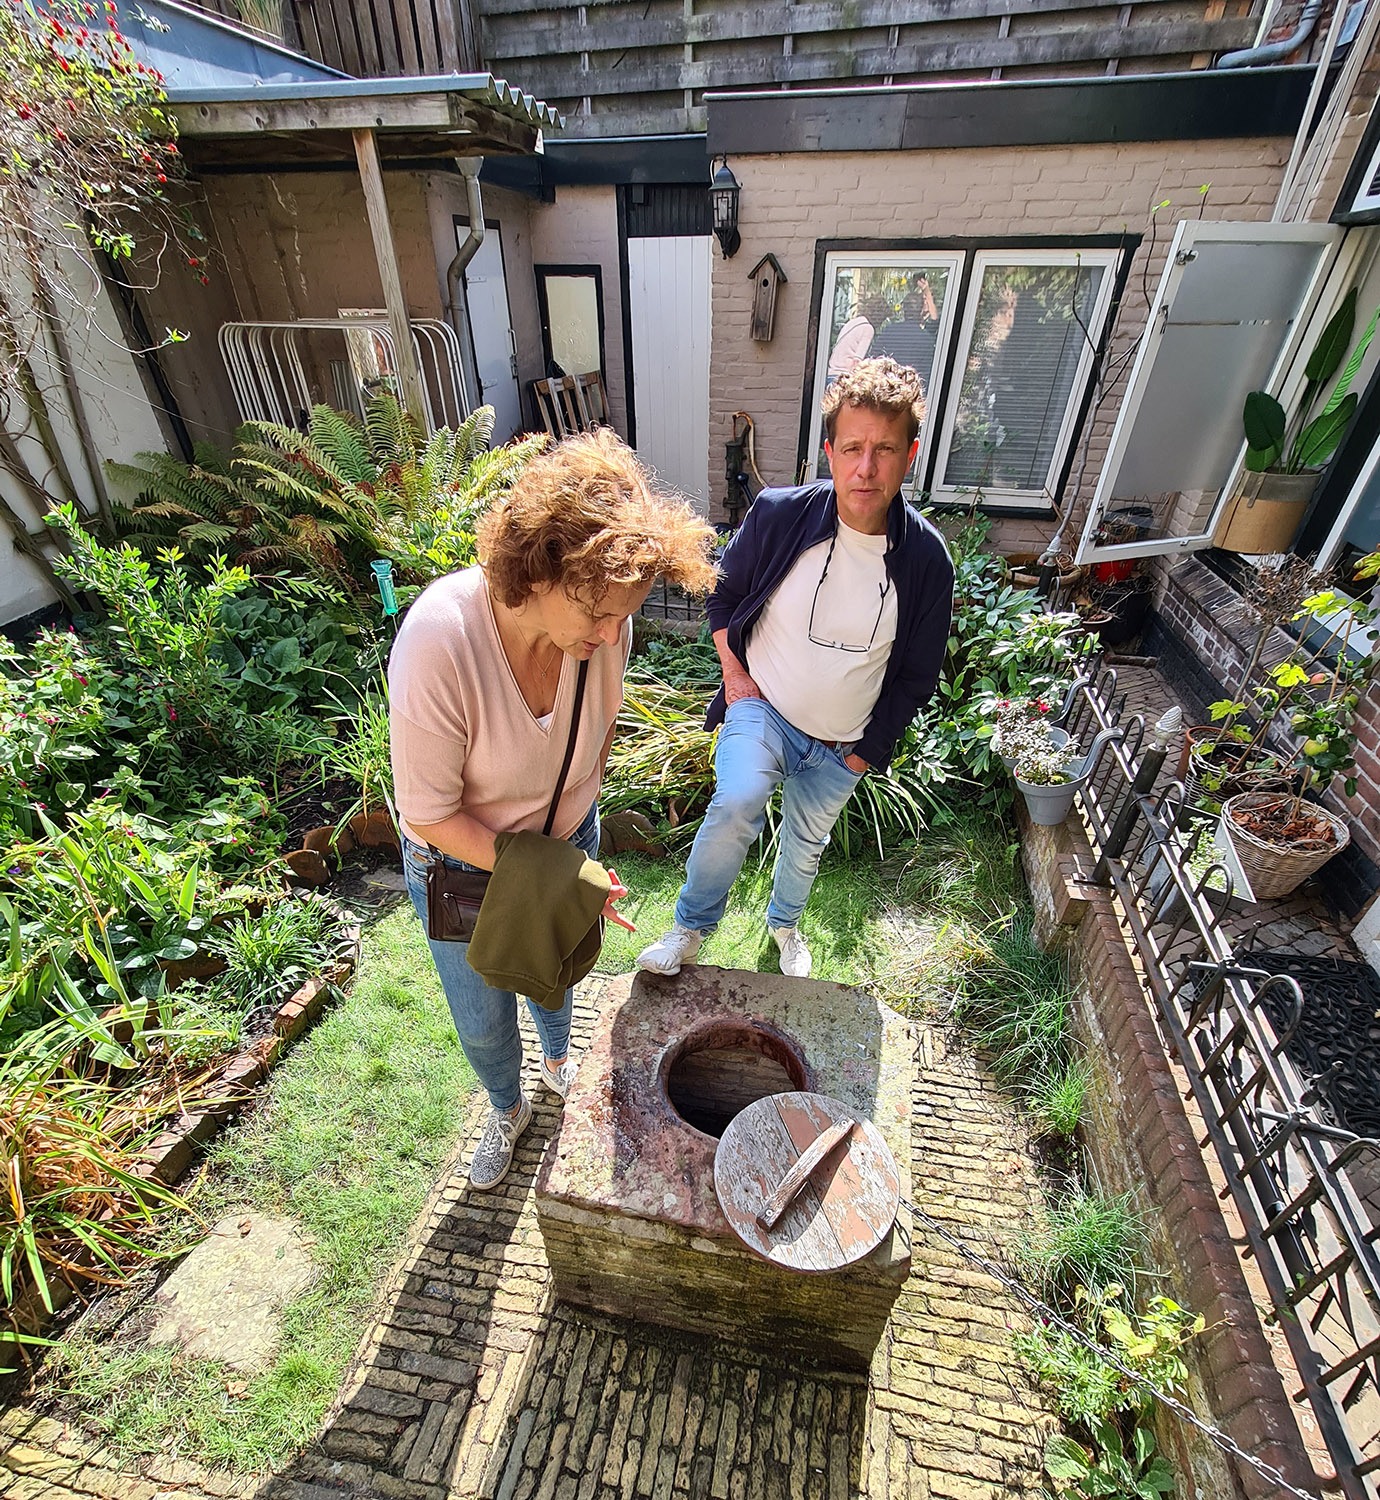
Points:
x=494 y=1153
x=678 y=947
x=558 y=1077
x=795 y=956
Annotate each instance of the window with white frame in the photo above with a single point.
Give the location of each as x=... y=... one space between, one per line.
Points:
x=1004 y=341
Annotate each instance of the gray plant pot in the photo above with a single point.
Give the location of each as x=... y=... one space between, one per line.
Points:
x=1049 y=805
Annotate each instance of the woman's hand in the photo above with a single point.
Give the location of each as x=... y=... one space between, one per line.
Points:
x=617 y=890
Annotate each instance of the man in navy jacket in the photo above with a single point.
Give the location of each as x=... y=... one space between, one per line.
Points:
x=830 y=618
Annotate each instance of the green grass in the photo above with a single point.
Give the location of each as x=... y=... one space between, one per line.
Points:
x=1086 y=1240
x=348 y=1142
x=843 y=923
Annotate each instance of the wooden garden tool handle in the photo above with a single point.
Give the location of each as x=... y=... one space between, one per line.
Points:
x=787 y=1190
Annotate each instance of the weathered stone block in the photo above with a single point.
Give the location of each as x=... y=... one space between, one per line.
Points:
x=625 y=1196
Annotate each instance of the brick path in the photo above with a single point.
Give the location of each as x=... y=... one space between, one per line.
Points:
x=475 y=1384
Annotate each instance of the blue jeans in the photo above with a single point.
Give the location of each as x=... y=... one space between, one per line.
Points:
x=485 y=1018
x=758 y=751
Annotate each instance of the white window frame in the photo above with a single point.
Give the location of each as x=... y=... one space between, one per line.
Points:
x=1036 y=500
x=835 y=260
x=1326 y=272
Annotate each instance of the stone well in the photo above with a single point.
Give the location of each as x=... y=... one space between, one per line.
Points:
x=625 y=1196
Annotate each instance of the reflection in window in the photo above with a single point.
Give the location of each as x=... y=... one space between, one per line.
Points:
x=876 y=310
x=1031 y=331
x=571 y=321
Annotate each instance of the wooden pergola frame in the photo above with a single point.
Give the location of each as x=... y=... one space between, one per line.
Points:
x=322 y=125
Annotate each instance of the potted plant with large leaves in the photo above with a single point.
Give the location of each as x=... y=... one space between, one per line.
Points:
x=1286 y=451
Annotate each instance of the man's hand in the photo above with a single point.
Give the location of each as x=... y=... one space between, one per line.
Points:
x=856 y=764
x=739 y=684
x=738 y=681
x=617 y=890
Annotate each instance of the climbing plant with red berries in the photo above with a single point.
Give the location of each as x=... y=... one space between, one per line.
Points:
x=89 y=147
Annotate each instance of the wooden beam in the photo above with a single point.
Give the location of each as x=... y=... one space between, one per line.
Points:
x=409 y=371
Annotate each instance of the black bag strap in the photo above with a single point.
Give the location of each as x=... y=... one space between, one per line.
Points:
x=569 y=745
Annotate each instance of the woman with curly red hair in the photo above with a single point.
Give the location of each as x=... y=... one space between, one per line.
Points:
x=483 y=688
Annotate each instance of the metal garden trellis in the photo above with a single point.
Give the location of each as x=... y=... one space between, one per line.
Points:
x=1286 y=1166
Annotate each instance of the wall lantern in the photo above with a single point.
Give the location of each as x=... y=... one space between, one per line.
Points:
x=723 y=200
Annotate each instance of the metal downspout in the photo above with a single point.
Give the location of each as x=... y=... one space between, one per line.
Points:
x=468 y=167
x=1256 y=57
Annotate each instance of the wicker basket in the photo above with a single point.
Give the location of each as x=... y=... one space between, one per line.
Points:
x=1275 y=869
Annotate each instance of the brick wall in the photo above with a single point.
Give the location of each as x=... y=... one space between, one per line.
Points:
x=1140 y=1139
x=789 y=202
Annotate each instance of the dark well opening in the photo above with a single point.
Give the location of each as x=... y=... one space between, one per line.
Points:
x=719 y=1072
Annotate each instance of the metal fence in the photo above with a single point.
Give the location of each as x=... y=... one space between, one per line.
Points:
x=1296 y=1179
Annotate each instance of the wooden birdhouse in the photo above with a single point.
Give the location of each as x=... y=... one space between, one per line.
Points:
x=765 y=276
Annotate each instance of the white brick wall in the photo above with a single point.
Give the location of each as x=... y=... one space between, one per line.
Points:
x=789 y=202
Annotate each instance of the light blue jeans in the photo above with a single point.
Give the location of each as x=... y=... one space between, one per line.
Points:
x=485 y=1018
x=757 y=752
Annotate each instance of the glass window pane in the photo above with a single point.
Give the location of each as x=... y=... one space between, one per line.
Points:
x=572 y=304
x=1027 y=343
x=884 y=309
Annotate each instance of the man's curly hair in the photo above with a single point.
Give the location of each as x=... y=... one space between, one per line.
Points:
x=879 y=385
x=585 y=515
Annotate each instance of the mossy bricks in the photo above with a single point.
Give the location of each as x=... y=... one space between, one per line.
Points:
x=625 y=1197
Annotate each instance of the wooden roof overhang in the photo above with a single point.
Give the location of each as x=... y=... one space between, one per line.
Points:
x=275 y=128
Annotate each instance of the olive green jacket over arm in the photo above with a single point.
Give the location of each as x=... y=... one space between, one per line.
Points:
x=540 y=928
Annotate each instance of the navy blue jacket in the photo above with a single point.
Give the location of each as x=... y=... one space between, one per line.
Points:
x=780 y=525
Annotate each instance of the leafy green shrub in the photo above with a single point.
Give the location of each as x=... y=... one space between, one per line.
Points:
x=1004 y=643
x=1148 y=1344
x=55 y=742
x=326 y=502
x=1108 y=1469
x=269 y=955
x=185 y=716
x=1086 y=1240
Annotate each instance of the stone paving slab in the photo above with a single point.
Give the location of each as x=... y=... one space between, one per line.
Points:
x=475 y=1385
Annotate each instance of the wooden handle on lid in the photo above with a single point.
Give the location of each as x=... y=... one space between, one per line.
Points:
x=788 y=1189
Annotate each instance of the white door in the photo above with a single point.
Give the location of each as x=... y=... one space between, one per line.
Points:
x=491 y=327
x=668 y=306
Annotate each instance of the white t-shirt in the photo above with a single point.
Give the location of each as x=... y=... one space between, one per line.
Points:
x=800 y=667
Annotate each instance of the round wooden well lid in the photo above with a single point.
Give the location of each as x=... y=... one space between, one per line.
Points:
x=805 y=1182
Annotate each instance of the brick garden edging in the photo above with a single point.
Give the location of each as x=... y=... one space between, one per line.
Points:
x=1140 y=1138
x=171 y=1152
x=168 y=1156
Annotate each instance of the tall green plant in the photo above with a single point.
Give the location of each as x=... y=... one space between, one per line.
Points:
x=1292 y=443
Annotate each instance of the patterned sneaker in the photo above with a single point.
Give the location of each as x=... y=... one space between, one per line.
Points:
x=558 y=1076
x=795 y=956
x=678 y=947
x=494 y=1153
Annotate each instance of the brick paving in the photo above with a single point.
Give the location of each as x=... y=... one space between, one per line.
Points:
x=474 y=1383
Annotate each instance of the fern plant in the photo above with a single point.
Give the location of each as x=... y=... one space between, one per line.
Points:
x=328 y=500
